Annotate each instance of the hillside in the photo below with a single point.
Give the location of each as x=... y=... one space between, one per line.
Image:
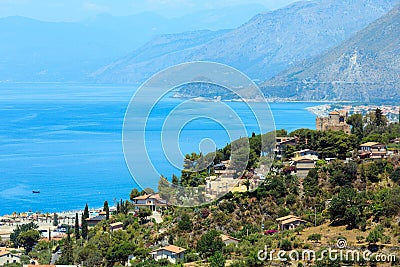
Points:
x=366 y=67
x=264 y=46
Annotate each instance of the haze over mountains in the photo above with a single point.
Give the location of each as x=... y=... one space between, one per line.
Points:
x=264 y=46
x=366 y=67
x=309 y=50
x=37 y=51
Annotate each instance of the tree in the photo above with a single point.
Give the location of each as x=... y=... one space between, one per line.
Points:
x=357 y=125
x=209 y=243
x=375 y=235
x=55 y=219
x=310 y=183
x=395 y=175
x=20 y=229
x=134 y=193
x=347 y=207
x=67 y=256
x=217 y=260
x=90 y=255
x=106 y=209
x=77 y=234
x=147 y=191
x=144 y=213
x=314 y=237
x=84 y=227
x=392 y=202
x=175 y=180
x=185 y=224
x=285 y=244
x=119 y=252
x=28 y=239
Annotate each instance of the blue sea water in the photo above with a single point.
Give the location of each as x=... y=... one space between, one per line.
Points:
x=65 y=140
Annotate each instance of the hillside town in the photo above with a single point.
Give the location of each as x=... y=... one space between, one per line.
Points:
x=339 y=182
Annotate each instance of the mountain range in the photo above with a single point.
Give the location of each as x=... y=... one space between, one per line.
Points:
x=39 y=51
x=365 y=67
x=266 y=45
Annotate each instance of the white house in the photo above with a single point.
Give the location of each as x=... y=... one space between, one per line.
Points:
x=7 y=257
x=289 y=222
x=170 y=252
x=151 y=201
x=229 y=239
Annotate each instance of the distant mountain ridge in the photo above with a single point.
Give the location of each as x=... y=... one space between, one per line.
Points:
x=264 y=46
x=38 y=51
x=365 y=67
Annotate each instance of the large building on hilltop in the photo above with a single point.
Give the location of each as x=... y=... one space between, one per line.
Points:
x=336 y=121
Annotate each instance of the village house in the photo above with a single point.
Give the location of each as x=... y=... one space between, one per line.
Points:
x=281 y=143
x=303 y=166
x=116 y=226
x=373 y=150
x=92 y=222
x=170 y=252
x=151 y=201
x=289 y=222
x=305 y=154
x=229 y=239
x=6 y=257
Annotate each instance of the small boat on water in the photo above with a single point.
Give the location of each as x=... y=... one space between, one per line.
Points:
x=36 y=191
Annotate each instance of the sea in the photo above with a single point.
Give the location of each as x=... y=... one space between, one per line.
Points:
x=65 y=140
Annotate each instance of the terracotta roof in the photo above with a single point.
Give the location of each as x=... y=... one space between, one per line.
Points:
x=286 y=217
x=227 y=237
x=335 y=112
x=171 y=248
x=144 y=197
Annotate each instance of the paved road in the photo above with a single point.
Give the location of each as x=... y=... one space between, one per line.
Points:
x=54 y=258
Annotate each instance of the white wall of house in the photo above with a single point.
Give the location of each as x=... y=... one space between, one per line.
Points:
x=165 y=254
x=9 y=258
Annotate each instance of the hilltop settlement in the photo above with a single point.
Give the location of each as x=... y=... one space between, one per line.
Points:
x=333 y=189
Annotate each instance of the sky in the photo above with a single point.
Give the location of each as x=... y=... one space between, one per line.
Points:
x=76 y=10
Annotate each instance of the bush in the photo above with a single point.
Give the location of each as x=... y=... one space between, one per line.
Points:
x=314 y=237
x=285 y=244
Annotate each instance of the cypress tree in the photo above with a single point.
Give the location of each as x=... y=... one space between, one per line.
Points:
x=118 y=208
x=86 y=211
x=55 y=219
x=67 y=257
x=84 y=227
x=106 y=209
x=77 y=234
x=126 y=208
x=85 y=216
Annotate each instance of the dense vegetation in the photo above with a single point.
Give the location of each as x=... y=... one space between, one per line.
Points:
x=357 y=200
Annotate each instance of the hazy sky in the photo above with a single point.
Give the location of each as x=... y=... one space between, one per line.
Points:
x=73 y=10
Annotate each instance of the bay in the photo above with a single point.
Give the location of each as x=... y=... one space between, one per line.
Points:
x=66 y=141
